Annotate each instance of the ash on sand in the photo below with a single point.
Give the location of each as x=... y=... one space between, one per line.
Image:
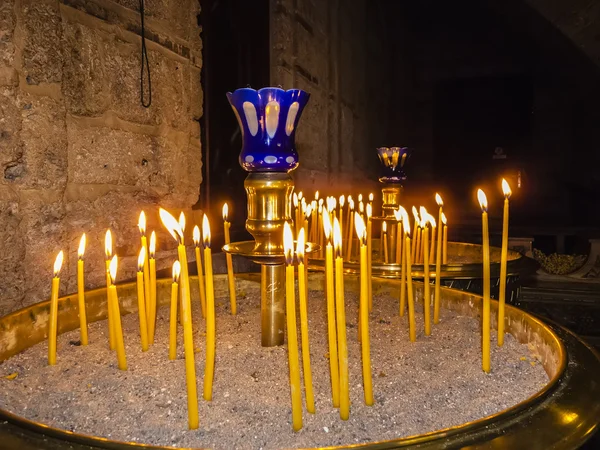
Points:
x=434 y=383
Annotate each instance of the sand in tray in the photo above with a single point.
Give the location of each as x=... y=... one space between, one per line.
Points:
x=434 y=383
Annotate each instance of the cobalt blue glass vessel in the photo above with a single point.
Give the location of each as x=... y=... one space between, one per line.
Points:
x=392 y=161
x=268 y=119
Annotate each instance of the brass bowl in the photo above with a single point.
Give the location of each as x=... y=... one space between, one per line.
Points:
x=247 y=250
x=562 y=415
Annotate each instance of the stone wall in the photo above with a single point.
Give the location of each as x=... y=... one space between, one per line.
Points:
x=336 y=50
x=78 y=151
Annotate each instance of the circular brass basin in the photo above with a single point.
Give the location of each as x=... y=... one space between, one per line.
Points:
x=247 y=250
x=562 y=415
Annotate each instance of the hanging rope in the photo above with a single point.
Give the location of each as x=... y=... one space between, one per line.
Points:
x=145 y=103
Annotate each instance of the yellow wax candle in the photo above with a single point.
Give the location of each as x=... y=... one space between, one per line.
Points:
x=350 y=231
x=313 y=220
x=438 y=274
x=399 y=234
x=152 y=302
x=409 y=285
x=292 y=338
x=419 y=245
x=141 y=300
x=229 y=261
x=485 y=335
x=147 y=296
x=340 y=215
x=369 y=250
x=295 y=211
x=432 y=243
x=209 y=368
x=188 y=342
x=416 y=225
x=385 y=244
x=364 y=312
x=331 y=326
x=196 y=237
x=83 y=331
x=440 y=203
x=108 y=253
x=173 y=312
x=445 y=241
x=114 y=305
x=503 y=261
x=426 y=274
x=53 y=320
x=341 y=322
x=306 y=370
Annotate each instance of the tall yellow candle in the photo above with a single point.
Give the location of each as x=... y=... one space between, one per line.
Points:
x=292 y=337
x=147 y=297
x=201 y=286
x=409 y=285
x=313 y=219
x=108 y=253
x=432 y=242
x=331 y=326
x=306 y=370
x=384 y=240
x=188 y=343
x=426 y=277
x=83 y=331
x=114 y=305
x=364 y=311
x=440 y=202
x=399 y=235
x=350 y=231
x=53 y=320
x=340 y=216
x=438 y=281
x=416 y=225
x=445 y=241
x=209 y=368
x=485 y=335
x=173 y=312
x=341 y=322
x=419 y=255
x=141 y=303
x=344 y=231
x=369 y=211
x=400 y=217
x=295 y=211
x=229 y=261
x=503 y=261
x=152 y=302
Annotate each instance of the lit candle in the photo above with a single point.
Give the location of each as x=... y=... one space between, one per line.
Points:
x=228 y=258
x=417 y=222
x=445 y=241
x=108 y=253
x=307 y=212
x=350 y=229
x=420 y=238
x=401 y=213
x=141 y=301
x=438 y=274
x=340 y=216
x=152 y=302
x=426 y=288
x=147 y=297
x=114 y=305
x=209 y=370
x=322 y=211
x=188 y=342
x=409 y=285
x=331 y=327
x=341 y=322
x=173 y=312
x=384 y=240
x=485 y=347
x=350 y=212
x=292 y=338
x=432 y=241
x=313 y=219
x=296 y=211
x=369 y=250
x=308 y=387
x=364 y=311
x=53 y=320
x=196 y=238
x=503 y=261
x=398 y=225
x=432 y=222
x=440 y=203
x=83 y=331
x=360 y=198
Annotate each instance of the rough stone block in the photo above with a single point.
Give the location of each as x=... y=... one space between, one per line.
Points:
x=84 y=78
x=174 y=12
x=196 y=95
x=282 y=32
x=44 y=142
x=42 y=52
x=312 y=56
x=13 y=252
x=7 y=26
x=282 y=77
x=10 y=140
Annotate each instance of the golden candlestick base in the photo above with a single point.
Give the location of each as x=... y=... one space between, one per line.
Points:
x=391 y=193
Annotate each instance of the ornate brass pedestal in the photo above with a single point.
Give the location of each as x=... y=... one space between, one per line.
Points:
x=391 y=202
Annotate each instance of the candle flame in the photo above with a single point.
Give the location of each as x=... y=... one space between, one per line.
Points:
x=112 y=269
x=384 y=227
x=351 y=203
x=444 y=218
x=438 y=199
x=359 y=198
x=300 y=195
x=176 y=271
x=416 y=214
x=369 y=211
x=361 y=230
x=317 y=195
x=320 y=210
x=205 y=231
x=182 y=223
x=300 y=245
x=371 y=197
x=142 y=223
x=226 y=211
x=320 y=203
x=152 y=246
x=295 y=200
x=327 y=226
x=423 y=213
x=337 y=238
x=141 y=259
x=288 y=243
x=361 y=207
x=58 y=263
x=482 y=200
x=171 y=225
x=506 y=188
x=196 y=236
x=308 y=211
x=81 y=249
x=108 y=244
x=398 y=215
x=342 y=201
x=432 y=221
x=405 y=221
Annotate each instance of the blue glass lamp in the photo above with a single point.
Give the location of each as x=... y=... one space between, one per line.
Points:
x=268 y=119
x=392 y=161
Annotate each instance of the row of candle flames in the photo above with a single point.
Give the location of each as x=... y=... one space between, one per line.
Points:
x=326 y=228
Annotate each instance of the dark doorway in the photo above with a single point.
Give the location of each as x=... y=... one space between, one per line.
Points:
x=482 y=132
x=235 y=35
